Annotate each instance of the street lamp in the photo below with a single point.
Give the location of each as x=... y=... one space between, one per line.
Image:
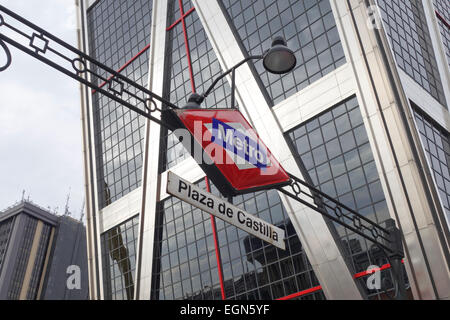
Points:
x=279 y=59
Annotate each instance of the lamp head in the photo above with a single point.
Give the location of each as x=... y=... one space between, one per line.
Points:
x=194 y=101
x=279 y=59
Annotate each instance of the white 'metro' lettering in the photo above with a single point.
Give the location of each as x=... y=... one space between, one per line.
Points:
x=233 y=140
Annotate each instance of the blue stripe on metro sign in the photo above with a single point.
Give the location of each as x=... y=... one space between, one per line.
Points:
x=239 y=143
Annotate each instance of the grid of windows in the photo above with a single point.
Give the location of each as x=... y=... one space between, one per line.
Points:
x=256 y=270
x=185 y=258
x=436 y=143
x=192 y=67
x=22 y=258
x=406 y=27
x=443 y=8
x=186 y=264
x=119 y=260
x=443 y=13
x=335 y=151
x=119 y=32
x=309 y=28
x=39 y=262
x=5 y=232
x=121 y=146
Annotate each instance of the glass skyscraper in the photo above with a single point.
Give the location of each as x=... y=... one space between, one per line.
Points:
x=363 y=117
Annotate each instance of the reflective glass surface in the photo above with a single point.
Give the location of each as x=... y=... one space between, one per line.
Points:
x=191 y=67
x=256 y=270
x=5 y=232
x=406 y=27
x=119 y=33
x=309 y=28
x=436 y=143
x=119 y=260
x=336 y=153
x=185 y=264
x=185 y=258
x=38 y=267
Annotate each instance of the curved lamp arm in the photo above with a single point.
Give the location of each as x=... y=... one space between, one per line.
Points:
x=278 y=59
x=232 y=69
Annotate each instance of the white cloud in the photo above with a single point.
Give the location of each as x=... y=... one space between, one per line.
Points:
x=40 y=129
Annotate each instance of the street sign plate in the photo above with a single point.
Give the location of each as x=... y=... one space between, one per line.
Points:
x=224 y=210
x=234 y=157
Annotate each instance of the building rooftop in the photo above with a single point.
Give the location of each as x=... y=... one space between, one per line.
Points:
x=32 y=209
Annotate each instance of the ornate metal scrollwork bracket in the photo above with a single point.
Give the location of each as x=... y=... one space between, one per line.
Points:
x=7 y=53
x=387 y=239
x=54 y=52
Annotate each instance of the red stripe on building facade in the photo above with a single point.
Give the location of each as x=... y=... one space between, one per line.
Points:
x=186 y=43
x=124 y=66
x=216 y=247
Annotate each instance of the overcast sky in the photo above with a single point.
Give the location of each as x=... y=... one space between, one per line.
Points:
x=40 y=128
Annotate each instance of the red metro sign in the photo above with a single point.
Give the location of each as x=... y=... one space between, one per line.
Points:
x=231 y=152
